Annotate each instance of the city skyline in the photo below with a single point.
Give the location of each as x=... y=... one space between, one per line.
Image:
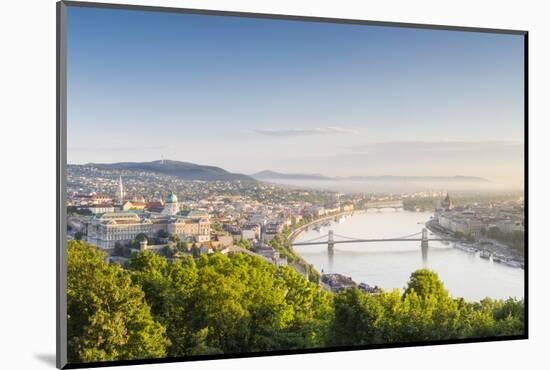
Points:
x=249 y=95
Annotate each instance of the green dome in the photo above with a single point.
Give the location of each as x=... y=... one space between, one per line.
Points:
x=171 y=198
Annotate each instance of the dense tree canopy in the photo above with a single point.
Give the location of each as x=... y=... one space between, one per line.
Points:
x=107 y=316
x=240 y=303
x=424 y=312
x=219 y=304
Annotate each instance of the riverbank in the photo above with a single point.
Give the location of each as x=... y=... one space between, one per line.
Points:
x=296 y=233
x=487 y=248
x=300 y=264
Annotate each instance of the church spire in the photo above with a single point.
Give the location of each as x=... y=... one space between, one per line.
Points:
x=120 y=190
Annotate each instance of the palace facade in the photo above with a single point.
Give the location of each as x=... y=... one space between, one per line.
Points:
x=105 y=230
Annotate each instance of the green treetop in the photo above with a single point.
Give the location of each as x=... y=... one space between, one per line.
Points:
x=108 y=318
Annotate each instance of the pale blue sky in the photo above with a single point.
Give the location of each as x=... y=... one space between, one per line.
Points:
x=253 y=94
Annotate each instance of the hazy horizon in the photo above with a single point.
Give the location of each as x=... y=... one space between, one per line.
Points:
x=305 y=172
x=249 y=95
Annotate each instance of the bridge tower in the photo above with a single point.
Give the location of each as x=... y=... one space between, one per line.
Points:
x=424 y=242
x=331 y=241
x=424 y=245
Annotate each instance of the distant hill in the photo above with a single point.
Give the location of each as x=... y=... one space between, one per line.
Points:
x=271 y=175
x=183 y=170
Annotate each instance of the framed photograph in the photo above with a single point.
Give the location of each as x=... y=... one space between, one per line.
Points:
x=235 y=184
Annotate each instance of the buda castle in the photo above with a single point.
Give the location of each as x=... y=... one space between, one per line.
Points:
x=106 y=229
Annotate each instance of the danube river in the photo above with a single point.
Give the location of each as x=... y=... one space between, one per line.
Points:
x=389 y=264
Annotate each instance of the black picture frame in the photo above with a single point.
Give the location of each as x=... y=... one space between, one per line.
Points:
x=61 y=156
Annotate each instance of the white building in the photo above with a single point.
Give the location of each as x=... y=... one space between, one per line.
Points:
x=101 y=208
x=104 y=231
x=199 y=229
x=248 y=234
x=508 y=226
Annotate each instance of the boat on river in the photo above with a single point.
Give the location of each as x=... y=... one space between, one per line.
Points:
x=465 y=248
x=512 y=263
x=484 y=254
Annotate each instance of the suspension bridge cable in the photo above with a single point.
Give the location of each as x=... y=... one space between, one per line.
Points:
x=410 y=235
x=400 y=237
x=346 y=237
x=314 y=239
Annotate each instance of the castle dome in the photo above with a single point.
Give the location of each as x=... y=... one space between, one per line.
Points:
x=172 y=198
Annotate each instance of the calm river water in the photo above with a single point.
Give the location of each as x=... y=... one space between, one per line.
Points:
x=389 y=264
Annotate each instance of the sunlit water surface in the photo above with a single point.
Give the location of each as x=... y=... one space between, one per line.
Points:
x=389 y=264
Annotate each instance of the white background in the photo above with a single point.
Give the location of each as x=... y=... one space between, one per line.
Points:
x=27 y=242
